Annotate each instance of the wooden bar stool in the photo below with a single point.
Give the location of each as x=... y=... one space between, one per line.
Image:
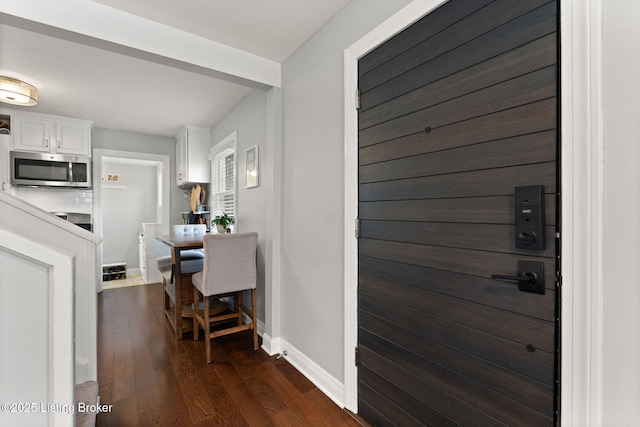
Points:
x=229 y=269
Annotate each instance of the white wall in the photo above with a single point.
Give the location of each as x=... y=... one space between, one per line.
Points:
x=249 y=119
x=312 y=212
x=298 y=207
x=621 y=293
x=142 y=143
x=125 y=206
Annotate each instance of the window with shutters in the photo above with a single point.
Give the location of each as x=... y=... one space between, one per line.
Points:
x=223 y=179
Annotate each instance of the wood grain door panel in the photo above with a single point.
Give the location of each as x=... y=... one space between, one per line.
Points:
x=456 y=111
x=458 y=286
x=399 y=80
x=512 y=63
x=541 y=116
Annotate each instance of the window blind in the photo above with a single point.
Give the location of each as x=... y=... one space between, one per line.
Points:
x=223 y=183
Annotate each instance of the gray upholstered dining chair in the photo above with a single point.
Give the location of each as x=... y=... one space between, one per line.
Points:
x=191 y=261
x=229 y=269
x=195 y=232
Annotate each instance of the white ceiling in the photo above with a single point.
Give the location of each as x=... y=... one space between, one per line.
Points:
x=132 y=93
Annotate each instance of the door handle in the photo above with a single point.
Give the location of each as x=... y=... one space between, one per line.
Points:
x=530 y=277
x=527 y=277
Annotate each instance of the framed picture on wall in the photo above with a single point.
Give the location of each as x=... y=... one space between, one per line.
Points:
x=251 y=167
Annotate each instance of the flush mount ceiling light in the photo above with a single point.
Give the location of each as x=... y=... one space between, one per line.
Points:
x=17 y=92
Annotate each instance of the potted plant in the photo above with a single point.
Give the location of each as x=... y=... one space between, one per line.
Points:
x=223 y=222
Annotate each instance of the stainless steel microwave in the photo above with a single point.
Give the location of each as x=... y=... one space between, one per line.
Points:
x=50 y=170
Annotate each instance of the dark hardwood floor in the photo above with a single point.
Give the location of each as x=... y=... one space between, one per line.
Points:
x=151 y=380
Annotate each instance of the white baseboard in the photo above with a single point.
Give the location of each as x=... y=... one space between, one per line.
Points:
x=133 y=271
x=271 y=346
x=330 y=386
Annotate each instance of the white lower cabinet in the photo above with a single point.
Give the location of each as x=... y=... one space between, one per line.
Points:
x=147 y=253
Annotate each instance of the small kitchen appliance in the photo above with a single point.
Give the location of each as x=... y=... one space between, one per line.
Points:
x=50 y=170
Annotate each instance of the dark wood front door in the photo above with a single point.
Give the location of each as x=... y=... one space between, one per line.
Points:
x=455 y=112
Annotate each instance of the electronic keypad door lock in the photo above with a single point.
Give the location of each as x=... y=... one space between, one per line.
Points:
x=529 y=217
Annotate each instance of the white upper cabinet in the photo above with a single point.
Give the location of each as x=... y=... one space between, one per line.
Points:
x=192 y=151
x=73 y=137
x=31 y=134
x=51 y=134
x=181 y=157
x=5 y=175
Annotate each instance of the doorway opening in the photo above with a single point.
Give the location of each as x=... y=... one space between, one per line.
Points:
x=130 y=189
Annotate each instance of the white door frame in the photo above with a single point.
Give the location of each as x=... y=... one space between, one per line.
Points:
x=98 y=220
x=582 y=203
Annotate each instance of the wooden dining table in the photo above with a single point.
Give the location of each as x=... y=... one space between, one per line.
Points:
x=178 y=294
